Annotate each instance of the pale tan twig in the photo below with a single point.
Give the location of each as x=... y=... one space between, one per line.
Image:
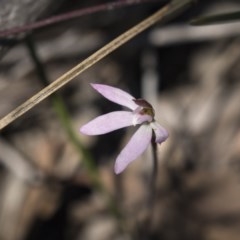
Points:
x=90 y=61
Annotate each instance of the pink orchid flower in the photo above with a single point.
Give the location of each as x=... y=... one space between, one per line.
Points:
x=141 y=113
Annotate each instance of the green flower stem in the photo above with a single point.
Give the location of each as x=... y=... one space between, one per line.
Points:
x=153 y=179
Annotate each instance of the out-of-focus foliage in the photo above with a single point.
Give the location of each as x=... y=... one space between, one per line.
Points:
x=217 y=19
x=191 y=77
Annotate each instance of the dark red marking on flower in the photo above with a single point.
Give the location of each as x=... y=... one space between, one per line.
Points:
x=142 y=103
x=146 y=107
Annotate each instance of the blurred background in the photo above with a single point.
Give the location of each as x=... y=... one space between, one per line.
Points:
x=56 y=183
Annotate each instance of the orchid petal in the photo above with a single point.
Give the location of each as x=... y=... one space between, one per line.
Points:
x=161 y=134
x=116 y=95
x=108 y=123
x=135 y=147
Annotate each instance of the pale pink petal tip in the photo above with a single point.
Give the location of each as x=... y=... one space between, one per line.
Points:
x=161 y=133
x=135 y=147
x=116 y=95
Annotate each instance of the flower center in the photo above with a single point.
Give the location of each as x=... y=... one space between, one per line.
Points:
x=146 y=107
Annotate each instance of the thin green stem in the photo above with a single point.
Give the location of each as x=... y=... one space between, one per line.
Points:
x=143 y=232
x=63 y=115
x=65 y=120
